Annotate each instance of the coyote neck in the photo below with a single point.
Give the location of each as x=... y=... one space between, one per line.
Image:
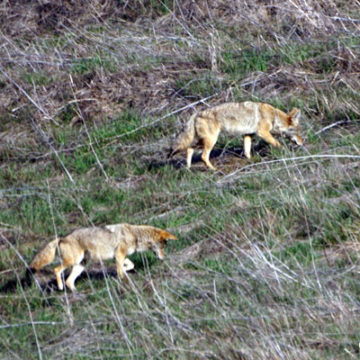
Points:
x=279 y=120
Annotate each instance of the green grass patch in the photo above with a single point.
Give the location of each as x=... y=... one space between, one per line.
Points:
x=38 y=78
x=239 y=63
x=89 y=65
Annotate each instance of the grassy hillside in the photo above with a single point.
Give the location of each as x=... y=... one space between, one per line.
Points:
x=267 y=265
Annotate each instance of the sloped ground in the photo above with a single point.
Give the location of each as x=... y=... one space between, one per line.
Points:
x=267 y=264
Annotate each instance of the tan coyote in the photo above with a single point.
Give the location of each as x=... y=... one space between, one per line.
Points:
x=244 y=118
x=101 y=243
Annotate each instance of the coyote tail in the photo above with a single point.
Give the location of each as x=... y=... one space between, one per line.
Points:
x=185 y=138
x=45 y=256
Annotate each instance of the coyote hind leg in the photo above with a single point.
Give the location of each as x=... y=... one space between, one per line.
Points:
x=205 y=156
x=58 y=271
x=75 y=272
x=209 y=141
x=71 y=257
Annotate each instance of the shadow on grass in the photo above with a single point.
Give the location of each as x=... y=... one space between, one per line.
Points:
x=12 y=284
x=46 y=282
x=262 y=148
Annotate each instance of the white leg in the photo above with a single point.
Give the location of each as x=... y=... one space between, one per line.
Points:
x=247 y=146
x=128 y=265
x=189 y=154
x=75 y=272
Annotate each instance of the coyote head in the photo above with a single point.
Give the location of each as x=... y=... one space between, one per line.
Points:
x=158 y=246
x=292 y=128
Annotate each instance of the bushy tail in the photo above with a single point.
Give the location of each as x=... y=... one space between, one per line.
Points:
x=185 y=138
x=45 y=256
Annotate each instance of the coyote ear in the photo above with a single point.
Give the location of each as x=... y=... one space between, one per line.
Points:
x=167 y=236
x=294 y=116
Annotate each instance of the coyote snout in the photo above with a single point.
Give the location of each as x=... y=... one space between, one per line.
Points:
x=244 y=118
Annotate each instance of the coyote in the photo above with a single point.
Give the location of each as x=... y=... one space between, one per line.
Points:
x=244 y=118
x=101 y=243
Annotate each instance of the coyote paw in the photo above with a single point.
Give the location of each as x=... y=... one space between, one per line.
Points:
x=128 y=265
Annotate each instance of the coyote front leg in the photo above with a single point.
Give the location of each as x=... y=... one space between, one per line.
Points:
x=247 y=146
x=128 y=265
x=120 y=255
x=264 y=133
x=189 y=154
